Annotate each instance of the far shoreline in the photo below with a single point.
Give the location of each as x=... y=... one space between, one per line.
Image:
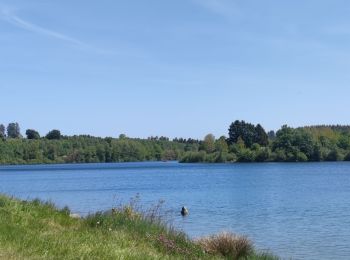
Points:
x=168 y=162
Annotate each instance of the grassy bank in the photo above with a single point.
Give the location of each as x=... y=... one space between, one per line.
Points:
x=38 y=230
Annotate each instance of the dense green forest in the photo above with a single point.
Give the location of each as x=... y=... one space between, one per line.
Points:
x=57 y=148
x=245 y=142
x=250 y=143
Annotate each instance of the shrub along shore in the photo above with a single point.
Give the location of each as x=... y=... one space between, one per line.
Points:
x=38 y=230
x=245 y=142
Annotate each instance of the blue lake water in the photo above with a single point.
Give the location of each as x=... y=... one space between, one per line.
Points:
x=296 y=210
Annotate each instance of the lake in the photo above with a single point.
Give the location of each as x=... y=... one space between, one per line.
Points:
x=296 y=210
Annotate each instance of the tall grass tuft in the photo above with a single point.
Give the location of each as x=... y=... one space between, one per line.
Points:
x=228 y=245
x=148 y=223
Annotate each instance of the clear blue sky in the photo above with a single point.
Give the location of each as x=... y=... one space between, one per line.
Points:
x=176 y=68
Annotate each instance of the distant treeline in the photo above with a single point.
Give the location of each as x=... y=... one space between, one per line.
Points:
x=250 y=143
x=56 y=148
x=245 y=142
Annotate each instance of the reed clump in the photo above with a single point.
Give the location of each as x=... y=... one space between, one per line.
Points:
x=228 y=245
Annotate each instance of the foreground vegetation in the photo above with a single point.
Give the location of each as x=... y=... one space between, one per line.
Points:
x=245 y=143
x=37 y=230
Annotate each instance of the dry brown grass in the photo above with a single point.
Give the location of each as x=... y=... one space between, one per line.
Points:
x=228 y=245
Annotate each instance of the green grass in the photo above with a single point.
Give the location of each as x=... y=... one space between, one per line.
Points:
x=38 y=230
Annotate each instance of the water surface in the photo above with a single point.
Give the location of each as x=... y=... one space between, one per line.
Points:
x=294 y=209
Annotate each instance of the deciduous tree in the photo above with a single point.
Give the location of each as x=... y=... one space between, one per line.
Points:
x=261 y=136
x=54 y=135
x=32 y=134
x=209 y=143
x=2 y=131
x=13 y=130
